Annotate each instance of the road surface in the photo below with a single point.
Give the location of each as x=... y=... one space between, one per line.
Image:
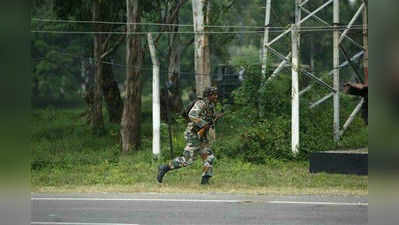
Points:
x=151 y=209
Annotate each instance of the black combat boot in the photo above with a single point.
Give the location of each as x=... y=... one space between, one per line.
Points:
x=162 y=170
x=205 y=179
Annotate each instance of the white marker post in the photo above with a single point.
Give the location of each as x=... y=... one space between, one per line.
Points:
x=295 y=92
x=156 y=109
x=336 y=70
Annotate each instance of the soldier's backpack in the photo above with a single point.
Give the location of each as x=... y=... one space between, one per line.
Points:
x=187 y=109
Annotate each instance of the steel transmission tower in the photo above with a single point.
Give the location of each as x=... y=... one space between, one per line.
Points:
x=340 y=34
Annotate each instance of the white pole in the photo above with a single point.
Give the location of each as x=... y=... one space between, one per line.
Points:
x=336 y=71
x=295 y=92
x=266 y=37
x=295 y=38
x=156 y=112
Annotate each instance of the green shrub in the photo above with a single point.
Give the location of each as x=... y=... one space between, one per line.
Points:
x=260 y=142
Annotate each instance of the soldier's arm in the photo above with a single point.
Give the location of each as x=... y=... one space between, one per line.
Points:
x=195 y=113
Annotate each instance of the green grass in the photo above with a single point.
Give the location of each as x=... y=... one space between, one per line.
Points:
x=67 y=158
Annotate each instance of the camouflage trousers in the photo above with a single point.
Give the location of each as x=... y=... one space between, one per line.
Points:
x=194 y=147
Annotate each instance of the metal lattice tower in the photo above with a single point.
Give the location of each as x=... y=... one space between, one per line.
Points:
x=291 y=59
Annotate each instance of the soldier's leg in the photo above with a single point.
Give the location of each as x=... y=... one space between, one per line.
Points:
x=182 y=161
x=192 y=146
x=178 y=162
x=208 y=159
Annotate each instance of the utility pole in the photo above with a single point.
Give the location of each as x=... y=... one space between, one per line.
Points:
x=336 y=37
x=266 y=38
x=295 y=38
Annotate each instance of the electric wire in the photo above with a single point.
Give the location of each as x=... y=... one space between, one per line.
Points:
x=181 y=25
x=188 y=32
x=126 y=66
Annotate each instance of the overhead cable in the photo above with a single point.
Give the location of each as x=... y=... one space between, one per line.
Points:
x=187 y=32
x=180 y=25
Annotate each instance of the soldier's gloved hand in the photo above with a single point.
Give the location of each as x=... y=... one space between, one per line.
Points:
x=203 y=130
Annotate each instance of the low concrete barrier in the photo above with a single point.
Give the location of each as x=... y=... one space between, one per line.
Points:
x=346 y=162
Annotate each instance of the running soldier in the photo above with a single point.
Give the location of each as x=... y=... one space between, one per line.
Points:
x=201 y=117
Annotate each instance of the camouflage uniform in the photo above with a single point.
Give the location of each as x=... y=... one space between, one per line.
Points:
x=202 y=113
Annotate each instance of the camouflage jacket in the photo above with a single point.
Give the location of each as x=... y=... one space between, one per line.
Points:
x=201 y=114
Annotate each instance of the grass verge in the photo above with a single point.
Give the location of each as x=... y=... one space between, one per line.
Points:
x=67 y=158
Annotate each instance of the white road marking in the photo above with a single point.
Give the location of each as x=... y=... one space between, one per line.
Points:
x=70 y=223
x=321 y=203
x=195 y=200
x=136 y=199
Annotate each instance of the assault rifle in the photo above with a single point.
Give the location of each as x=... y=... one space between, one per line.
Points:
x=205 y=128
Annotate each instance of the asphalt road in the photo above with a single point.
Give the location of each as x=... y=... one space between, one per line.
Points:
x=149 y=209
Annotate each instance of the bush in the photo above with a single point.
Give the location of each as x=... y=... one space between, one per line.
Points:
x=260 y=142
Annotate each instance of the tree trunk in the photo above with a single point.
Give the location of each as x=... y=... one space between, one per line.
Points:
x=174 y=70
x=130 y=124
x=112 y=95
x=97 y=123
x=87 y=85
x=176 y=103
x=201 y=52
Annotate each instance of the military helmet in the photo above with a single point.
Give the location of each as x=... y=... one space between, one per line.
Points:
x=209 y=91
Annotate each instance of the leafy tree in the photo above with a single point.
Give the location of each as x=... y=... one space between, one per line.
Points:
x=54 y=56
x=103 y=46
